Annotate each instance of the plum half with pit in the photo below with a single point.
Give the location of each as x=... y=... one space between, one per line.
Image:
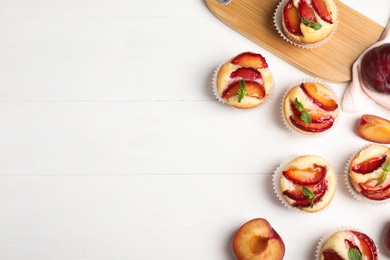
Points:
x=375 y=69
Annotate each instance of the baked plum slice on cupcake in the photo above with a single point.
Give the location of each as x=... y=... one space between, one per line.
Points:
x=349 y=244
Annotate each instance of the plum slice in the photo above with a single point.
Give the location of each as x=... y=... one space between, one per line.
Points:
x=330 y=254
x=372 y=186
x=322 y=10
x=306 y=202
x=367 y=246
x=250 y=60
x=253 y=89
x=380 y=195
x=246 y=74
x=369 y=165
x=318 y=99
x=316 y=117
x=306 y=11
x=297 y=194
x=312 y=127
x=292 y=21
x=307 y=176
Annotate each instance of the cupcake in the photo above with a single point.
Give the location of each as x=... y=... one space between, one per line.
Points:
x=244 y=81
x=306 y=22
x=306 y=183
x=348 y=244
x=310 y=108
x=369 y=173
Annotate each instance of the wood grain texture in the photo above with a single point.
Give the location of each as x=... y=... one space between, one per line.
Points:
x=331 y=61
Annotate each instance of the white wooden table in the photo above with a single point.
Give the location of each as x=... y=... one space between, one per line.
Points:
x=112 y=145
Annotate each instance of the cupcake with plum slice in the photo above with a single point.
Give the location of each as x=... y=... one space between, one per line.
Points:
x=244 y=81
x=306 y=23
x=310 y=108
x=347 y=244
x=306 y=183
x=368 y=174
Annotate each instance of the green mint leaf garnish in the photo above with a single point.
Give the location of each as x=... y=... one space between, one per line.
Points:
x=305 y=116
x=242 y=91
x=354 y=254
x=386 y=169
x=314 y=25
x=308 y=194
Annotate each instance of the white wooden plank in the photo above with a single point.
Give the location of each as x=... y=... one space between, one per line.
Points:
x=101 y=8
x=152 y=137
x=111 y=59
x=153 y=8
x=158 y=217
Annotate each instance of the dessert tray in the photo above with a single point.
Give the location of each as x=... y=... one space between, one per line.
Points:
x=332 y=61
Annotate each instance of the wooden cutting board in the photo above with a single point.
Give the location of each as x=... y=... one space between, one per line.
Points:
x=331 y=61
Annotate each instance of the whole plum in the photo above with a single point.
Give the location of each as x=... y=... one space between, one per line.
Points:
x=375 y=69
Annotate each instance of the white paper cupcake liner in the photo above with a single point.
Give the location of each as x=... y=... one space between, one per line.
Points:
x=276 y=186
x=278 y=25
x=219 y=98
x=308 y=134
x=325 y=238
x=352 y=191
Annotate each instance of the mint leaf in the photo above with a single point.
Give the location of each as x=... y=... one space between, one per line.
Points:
x=383 y=179
x=305 y=116
x=354 y=254
x=314 y=25
x=386 y=169
x=299 y=105
x=242 y=91
x=308 y=194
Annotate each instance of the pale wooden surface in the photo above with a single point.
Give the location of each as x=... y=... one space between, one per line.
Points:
x=114 y=147
x=332 y=61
